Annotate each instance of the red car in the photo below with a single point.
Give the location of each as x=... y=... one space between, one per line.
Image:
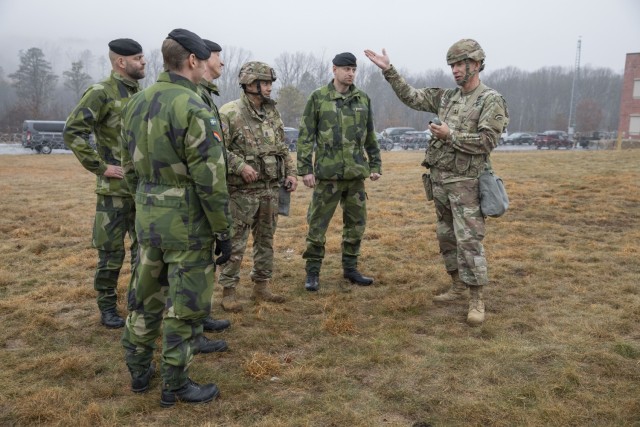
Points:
x=553 y=139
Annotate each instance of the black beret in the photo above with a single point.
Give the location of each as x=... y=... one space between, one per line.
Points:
x=191 y=42
x=344 y=59
x=213 y=46
x=125 y=47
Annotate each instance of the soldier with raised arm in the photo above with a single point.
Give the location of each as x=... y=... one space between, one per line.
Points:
x=472 y=118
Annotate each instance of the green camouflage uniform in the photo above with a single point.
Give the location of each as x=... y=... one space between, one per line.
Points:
x=338 y=128
x=206 y=90
x=255 y=138
x=174 y=161
x=98 y=112
x=476 y=120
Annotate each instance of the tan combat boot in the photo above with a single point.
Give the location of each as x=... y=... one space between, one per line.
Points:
x=476 y=307
x=261 y=293
x=456 y=292
x=229 y=301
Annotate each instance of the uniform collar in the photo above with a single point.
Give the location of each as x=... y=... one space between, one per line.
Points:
x=169 y=77
x=130 y=83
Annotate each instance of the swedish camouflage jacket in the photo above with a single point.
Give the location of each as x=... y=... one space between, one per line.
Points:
x=339 y=129
x=173 y=158
x=476 y=120
x=98 y=112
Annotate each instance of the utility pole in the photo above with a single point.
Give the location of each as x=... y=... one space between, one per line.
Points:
x=574 y=90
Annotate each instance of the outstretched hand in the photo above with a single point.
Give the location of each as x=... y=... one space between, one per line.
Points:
x=381 y=61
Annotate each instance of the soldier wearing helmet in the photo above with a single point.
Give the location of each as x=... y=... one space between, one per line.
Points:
x=472 y=118
x=254 y=76
x=258 y=165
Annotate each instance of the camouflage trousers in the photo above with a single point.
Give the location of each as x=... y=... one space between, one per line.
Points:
x=254 y=210
x=460 y=229
x=174 y=285
x=115 y=217
x=325 y=199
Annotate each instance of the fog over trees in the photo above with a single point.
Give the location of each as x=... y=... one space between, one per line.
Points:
x=537 y=100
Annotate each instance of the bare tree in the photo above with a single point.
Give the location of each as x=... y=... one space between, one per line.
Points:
x=154 y=67
x=76 y=80
x=233 y=58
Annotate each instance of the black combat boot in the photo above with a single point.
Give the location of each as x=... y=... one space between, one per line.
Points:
x=140 y=383
x=356 y=277
x=111 y=319
x=203 y=344
x=312 y=283
x=210 y=324
x=190 y=393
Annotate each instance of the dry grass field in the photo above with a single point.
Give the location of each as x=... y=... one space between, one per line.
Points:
x=560 y=346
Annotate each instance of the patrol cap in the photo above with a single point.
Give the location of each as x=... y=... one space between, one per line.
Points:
x=125 y=47
x=191 y=42
x=345 y=59
x=213 y=46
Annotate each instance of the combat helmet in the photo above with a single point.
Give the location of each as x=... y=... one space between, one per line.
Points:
x=254 y=70
x=466 y=49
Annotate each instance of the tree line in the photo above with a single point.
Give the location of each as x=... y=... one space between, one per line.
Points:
x=537 y=100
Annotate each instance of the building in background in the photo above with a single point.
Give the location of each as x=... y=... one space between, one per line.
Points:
x=629 y=125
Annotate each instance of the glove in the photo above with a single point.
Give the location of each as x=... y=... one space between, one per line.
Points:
x=223 y=248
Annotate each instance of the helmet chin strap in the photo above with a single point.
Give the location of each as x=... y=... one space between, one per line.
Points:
x=259 y=92
x=467 y=73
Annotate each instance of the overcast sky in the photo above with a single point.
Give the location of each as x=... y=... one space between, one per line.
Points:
x=416 y=33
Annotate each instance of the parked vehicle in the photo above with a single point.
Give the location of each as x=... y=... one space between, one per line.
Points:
x=553 y=139
x=291 y=138
x=519 y=138
x=394 y=133
x=383 y=142
x=43 y=136
x=584 y=139
x=414 y=140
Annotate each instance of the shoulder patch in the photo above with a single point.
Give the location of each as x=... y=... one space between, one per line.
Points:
x=213 y=122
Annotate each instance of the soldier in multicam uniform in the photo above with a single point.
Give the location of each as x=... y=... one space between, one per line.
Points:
x=98 y=112
x=174 y=160
x=206 y=90
x=473 y=117
x=337 y=124
x=259 y=163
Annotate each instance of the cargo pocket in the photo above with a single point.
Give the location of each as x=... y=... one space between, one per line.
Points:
x=191 y=295
x=480 y=270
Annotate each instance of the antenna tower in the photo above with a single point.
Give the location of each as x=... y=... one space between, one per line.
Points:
x=574 y=90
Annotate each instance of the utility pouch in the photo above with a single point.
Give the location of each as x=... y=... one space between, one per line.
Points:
x=494 y=201
x=428 y=185
x=269 y=167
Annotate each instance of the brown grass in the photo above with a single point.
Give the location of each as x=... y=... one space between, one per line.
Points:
x=561 y=344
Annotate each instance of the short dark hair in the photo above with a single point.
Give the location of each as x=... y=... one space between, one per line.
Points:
x=173 y=55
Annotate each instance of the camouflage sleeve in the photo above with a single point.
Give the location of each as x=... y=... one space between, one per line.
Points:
x=494 y=118
x=127 y=144
x=371 y=145
x=307 y=137
x=283 y=149
x=235 y=163
x=80 y=125
x=205 y=161
x=427 y=99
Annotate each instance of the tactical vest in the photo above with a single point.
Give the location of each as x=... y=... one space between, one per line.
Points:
x=462 y=118
x=258 y=153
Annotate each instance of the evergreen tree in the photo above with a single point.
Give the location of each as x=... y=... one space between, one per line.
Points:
x=34 y=82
